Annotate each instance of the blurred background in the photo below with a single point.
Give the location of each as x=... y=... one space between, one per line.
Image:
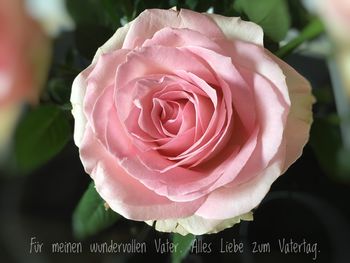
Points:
x=45 y=44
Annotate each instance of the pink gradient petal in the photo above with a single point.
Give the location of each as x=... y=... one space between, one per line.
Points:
x=100 y=113
x=281 y=101
x=234 y=28
x=181 y=184
x=171 y=125
x=147 y=62
x=235 y=157
x=151 y=21
x=77 y=101
x=272 y=112
x=124 y=194
x=229 y=202
x=188 y=117
x=198 y=149
x=199 y=84
x=256 y=59
x=173 y=37
x=300 y=116
x=146 y=121
x=228 y=74
x=177 y=145
x=101 y=76
x=213 y=123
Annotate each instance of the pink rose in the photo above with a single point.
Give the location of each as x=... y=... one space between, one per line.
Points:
x=22 y=46
x=24 y=53
x=184 y=120
x=336 y=15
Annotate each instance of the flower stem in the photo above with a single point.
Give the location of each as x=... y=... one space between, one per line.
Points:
x=312 y=30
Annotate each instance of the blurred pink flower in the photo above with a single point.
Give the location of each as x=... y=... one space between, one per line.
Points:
x=24 y=56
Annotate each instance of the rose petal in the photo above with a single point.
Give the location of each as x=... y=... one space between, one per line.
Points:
x=176 y=145
x=300 y=116
x=235 y=28
x=115 y=186
x=197 y=225
x=77 y=101
x=152 y=20
x=241 y=199
x=99 y=77
x=80 y=86
x=174 y=37
x=257 y=59
x=148 y=62
x=272 y=112
x=227 y=74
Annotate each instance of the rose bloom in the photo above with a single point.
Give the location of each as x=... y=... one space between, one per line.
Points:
x=184 y=120
x=336 y=16
x=24 y=53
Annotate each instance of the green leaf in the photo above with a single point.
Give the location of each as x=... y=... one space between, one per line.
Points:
x=183 y=248
x=326 y=142
x=95 y=12
x=192 y=4
x=112 y=12
x=299 y=15
x=40 y=135
x=92 y=11
x=89 y=38
x=91 y=216
x=59 y=90
x=272 y=15
x=343 y=157
x=225 y=7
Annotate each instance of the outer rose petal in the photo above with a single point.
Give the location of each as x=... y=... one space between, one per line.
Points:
x=115 y=186
x=235 y=28
x=77 y=99
x=80 y=82
x=238 y=200
x=152 y=20
x=248 y=195
x=299 y=119
x=197 y=225
x=231 y=204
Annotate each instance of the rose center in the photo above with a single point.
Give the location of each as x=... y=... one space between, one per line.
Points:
x=171 y=120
